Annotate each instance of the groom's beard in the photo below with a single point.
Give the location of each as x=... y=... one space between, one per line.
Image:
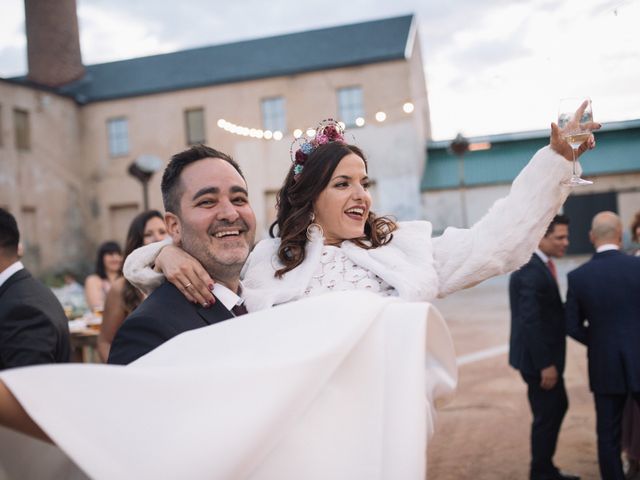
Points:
x=222 y=258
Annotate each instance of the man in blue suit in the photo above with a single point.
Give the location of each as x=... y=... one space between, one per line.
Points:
x=605 y=292
x=537 y=346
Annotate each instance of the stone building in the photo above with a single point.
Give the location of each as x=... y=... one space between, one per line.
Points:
x=69 y=132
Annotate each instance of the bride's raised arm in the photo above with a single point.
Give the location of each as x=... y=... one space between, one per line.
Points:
x=507 y=235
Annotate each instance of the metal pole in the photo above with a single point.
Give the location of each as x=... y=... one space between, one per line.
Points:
x=459 y=146
x=145 y=193
x=463 y=200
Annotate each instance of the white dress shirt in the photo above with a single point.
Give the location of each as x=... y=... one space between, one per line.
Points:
x=542 y=255
x=228 y=297
x=606 y=247
x=10 y=270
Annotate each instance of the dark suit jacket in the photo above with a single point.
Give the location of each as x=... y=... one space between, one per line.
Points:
x=537 y=319
x=33 y=326
x=163 y=315
x=605 y=291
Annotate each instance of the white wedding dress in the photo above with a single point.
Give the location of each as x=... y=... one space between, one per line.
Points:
x=338 y=386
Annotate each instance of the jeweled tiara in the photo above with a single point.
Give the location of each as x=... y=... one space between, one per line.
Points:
x=328 y=131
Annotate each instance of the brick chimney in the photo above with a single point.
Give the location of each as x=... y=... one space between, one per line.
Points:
x=53 y=42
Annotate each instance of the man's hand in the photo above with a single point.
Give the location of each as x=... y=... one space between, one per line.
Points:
x=186 y=273
x=549 y=377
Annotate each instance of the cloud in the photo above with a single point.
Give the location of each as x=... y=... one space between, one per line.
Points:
x=13 y=61
x=13 y=43
x=490 y=54
x=128 y=36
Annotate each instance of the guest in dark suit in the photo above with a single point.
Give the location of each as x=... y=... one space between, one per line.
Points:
x=605 y=292
x=537 y=345
x=208 y=215
x=33 y=326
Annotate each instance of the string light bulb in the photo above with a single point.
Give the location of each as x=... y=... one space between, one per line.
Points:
x=407 y=107
x=380 y=116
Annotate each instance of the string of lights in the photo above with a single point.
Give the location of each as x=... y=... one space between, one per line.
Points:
x=380 y=116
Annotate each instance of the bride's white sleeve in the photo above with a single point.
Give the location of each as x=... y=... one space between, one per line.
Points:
x=138 y=266
x=509 y=232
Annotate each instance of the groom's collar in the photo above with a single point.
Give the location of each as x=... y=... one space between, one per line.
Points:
x=606 y=247
x=228 y=297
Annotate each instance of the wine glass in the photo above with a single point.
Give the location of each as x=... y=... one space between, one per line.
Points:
x=576 y=131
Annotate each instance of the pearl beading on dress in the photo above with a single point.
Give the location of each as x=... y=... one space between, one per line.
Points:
x=337 y=273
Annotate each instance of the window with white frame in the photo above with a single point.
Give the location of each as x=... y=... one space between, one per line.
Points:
x=350 y=105
x=194 y=122
x=273 y=114
x=118 y=136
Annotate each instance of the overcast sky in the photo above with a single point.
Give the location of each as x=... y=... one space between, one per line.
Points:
x=492 y=66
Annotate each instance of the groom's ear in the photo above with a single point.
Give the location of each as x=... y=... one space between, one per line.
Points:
x=174 y=227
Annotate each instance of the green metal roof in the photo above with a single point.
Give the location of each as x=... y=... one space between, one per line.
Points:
x=618 y=151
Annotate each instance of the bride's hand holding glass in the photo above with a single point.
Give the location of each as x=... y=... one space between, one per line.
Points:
x=570 y=123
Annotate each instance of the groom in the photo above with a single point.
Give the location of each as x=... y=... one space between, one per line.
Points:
x=208 y=215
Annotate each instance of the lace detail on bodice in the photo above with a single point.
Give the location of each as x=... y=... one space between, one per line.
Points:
x=337 y=273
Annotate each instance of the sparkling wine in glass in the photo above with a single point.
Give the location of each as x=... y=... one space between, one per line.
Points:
x=576 y=130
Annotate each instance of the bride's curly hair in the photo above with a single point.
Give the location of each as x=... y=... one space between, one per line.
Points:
x=295 y=205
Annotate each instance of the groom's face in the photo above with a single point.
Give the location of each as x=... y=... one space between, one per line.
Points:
x=216 y=224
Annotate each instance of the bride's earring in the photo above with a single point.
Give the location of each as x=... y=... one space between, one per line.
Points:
x=314 y=229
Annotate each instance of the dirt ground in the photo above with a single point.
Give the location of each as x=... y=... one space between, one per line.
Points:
x=483 y=434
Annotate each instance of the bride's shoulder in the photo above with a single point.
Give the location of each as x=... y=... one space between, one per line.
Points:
x=266 y=245
x=263 y=250
x=412 y=230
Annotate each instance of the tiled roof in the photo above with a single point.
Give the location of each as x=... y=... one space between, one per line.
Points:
x=327 y=48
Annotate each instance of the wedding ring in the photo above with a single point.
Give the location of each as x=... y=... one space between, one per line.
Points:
x=187 y=285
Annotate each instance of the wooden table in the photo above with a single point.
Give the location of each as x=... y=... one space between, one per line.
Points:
x=84 y=346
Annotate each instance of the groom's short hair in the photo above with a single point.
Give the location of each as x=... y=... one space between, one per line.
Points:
x=172 y=186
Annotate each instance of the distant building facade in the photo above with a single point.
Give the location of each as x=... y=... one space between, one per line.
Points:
x=454 y=188
x=66 y=142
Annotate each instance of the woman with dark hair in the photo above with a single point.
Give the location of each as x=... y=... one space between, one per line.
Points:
x=108 y=269
x=147 y=227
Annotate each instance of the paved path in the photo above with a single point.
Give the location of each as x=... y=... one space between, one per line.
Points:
x=483 y=434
